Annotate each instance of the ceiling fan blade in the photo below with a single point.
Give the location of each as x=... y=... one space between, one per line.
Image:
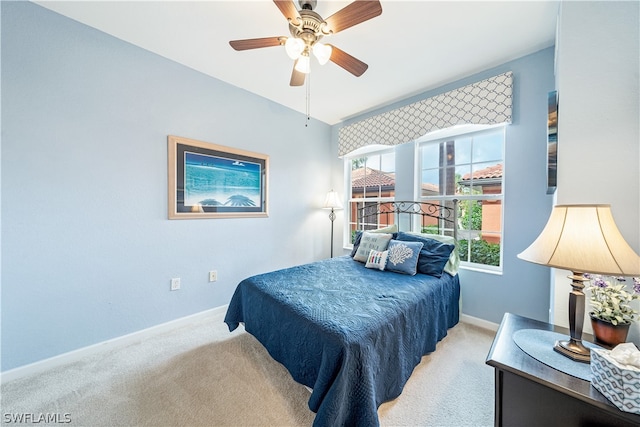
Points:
x=297 y=78
x=353 y=14
x=257 y=43
x=348 y=62
x=288 y=9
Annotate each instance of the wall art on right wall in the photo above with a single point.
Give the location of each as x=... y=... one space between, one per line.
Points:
x=552 y=142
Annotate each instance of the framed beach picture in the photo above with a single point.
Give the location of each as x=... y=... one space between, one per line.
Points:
x=552 y=142
x=213 y=181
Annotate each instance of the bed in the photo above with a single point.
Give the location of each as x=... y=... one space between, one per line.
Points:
x=351 y=333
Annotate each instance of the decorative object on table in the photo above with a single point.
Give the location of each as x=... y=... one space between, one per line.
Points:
x=611 y=311
x=212 y=181
x=332 y=201
x=616 y=374
x=581 y=238
x=539 y=343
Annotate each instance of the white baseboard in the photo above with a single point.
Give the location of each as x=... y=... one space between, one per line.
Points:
x=75 y=355
x=481 y=323
x=79 y=354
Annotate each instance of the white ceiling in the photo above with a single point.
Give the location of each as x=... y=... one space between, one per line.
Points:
x=412 y=47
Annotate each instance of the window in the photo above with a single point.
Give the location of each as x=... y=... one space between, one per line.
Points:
x=371 y=179
x=468 y=168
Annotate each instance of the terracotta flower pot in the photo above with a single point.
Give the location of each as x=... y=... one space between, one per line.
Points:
x=609 y=334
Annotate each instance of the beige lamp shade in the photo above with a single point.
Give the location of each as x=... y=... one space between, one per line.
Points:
x=583 y=238
x=332 y=201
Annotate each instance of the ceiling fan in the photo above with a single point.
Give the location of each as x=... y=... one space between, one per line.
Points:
x=307 y=28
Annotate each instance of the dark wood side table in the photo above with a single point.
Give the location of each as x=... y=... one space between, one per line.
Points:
x=530 y=393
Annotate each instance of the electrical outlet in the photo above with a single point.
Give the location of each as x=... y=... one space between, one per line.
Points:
x=175 y=284
x=213 y=275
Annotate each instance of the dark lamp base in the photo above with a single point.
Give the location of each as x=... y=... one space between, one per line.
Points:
x=574 y=350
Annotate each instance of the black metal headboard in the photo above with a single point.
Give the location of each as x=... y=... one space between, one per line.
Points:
x=402 y=212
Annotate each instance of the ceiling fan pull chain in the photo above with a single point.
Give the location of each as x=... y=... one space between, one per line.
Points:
x=308 y=100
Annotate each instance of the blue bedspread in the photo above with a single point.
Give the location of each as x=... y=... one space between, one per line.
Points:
x=352 y=334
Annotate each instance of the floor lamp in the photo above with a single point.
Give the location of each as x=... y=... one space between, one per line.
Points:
x=332 y=201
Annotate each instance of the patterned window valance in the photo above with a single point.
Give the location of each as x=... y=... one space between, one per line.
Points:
x=486 y=102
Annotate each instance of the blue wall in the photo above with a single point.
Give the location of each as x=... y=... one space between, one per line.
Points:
x=87 y=249
x=522 y=288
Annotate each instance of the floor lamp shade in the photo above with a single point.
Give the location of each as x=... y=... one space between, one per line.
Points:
x=332 y=201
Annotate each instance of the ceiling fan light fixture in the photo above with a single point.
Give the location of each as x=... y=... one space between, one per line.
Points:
x=307 y=27
x=303 y=65
x=322 y=52
x=294 y=47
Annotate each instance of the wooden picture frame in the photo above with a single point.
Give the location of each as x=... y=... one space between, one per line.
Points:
x=552 y=142
x=212 y=181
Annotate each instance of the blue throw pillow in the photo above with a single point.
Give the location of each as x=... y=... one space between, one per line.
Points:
x=403 y=256
x=356 y=243
x=433 y=255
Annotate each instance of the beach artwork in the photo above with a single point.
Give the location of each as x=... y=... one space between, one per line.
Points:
x=213 y=181
x=218 y=181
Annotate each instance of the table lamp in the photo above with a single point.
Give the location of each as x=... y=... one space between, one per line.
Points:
x=581 y=238
x=332 y=201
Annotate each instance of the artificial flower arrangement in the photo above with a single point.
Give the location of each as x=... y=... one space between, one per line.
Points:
x=611 y=300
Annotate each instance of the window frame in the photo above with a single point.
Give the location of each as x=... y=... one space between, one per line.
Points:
x=347 y=162
x=461 y=197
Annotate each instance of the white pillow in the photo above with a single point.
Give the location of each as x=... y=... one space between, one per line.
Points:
x=377 y=259
x=393 y=228
x=375 y=241
x=389 y=229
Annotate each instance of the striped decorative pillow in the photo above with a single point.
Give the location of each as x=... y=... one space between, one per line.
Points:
x=377 y=259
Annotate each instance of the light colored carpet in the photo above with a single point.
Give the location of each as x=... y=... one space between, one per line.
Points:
x=202 y=375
